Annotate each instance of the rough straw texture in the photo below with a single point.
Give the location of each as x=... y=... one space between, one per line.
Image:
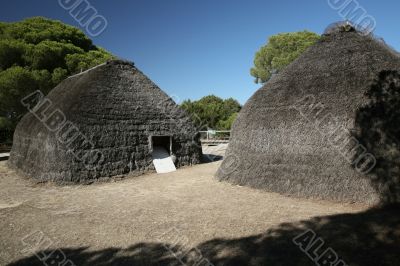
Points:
x=282 y=140
x=116 y=109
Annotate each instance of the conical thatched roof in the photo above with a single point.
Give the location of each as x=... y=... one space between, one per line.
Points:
x=116 y=110
x=294 y=135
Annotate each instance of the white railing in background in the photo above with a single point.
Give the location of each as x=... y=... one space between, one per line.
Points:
x=221 y=136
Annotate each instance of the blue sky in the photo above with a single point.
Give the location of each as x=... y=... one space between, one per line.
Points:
x=195 y=48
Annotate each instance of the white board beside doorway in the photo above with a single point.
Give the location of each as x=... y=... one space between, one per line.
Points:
x=162 y=160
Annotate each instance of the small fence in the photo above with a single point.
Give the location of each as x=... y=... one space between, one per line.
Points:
x=215 y=136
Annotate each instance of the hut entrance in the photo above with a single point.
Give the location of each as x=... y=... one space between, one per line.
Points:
x=161 y=147
x=162 y=141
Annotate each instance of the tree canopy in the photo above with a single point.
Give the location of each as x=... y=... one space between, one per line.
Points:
x=280 y=51
x=212 y=112
x=37 y=54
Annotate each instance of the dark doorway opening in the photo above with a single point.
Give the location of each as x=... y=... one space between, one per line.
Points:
x=162 y=141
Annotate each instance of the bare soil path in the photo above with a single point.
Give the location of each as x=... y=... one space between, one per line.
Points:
x=125 y=222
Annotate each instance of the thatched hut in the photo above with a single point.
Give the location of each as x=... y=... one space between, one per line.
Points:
x=101 y=123
x=295 y=135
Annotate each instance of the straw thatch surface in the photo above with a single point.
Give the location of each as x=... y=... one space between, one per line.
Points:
x=284 y=139
x=117 y=108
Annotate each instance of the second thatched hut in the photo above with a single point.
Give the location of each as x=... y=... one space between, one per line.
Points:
x=296 y=135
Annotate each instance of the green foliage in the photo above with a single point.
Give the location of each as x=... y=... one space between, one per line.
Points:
x=11 y=53
x=228 y=123
x=37 y=29
x=280 y=51
x=58 y=75
x=212 y=112
x=50 y=54
x=15 y=83
x=5 y=123
x=38 y=53
x=77 y=62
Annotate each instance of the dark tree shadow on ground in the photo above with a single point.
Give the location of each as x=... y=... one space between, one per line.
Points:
x=209 y=158
x=378 y=129
x=367 y=238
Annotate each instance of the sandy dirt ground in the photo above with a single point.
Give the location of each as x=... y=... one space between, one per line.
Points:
x=189 y=203
x=182 y=218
